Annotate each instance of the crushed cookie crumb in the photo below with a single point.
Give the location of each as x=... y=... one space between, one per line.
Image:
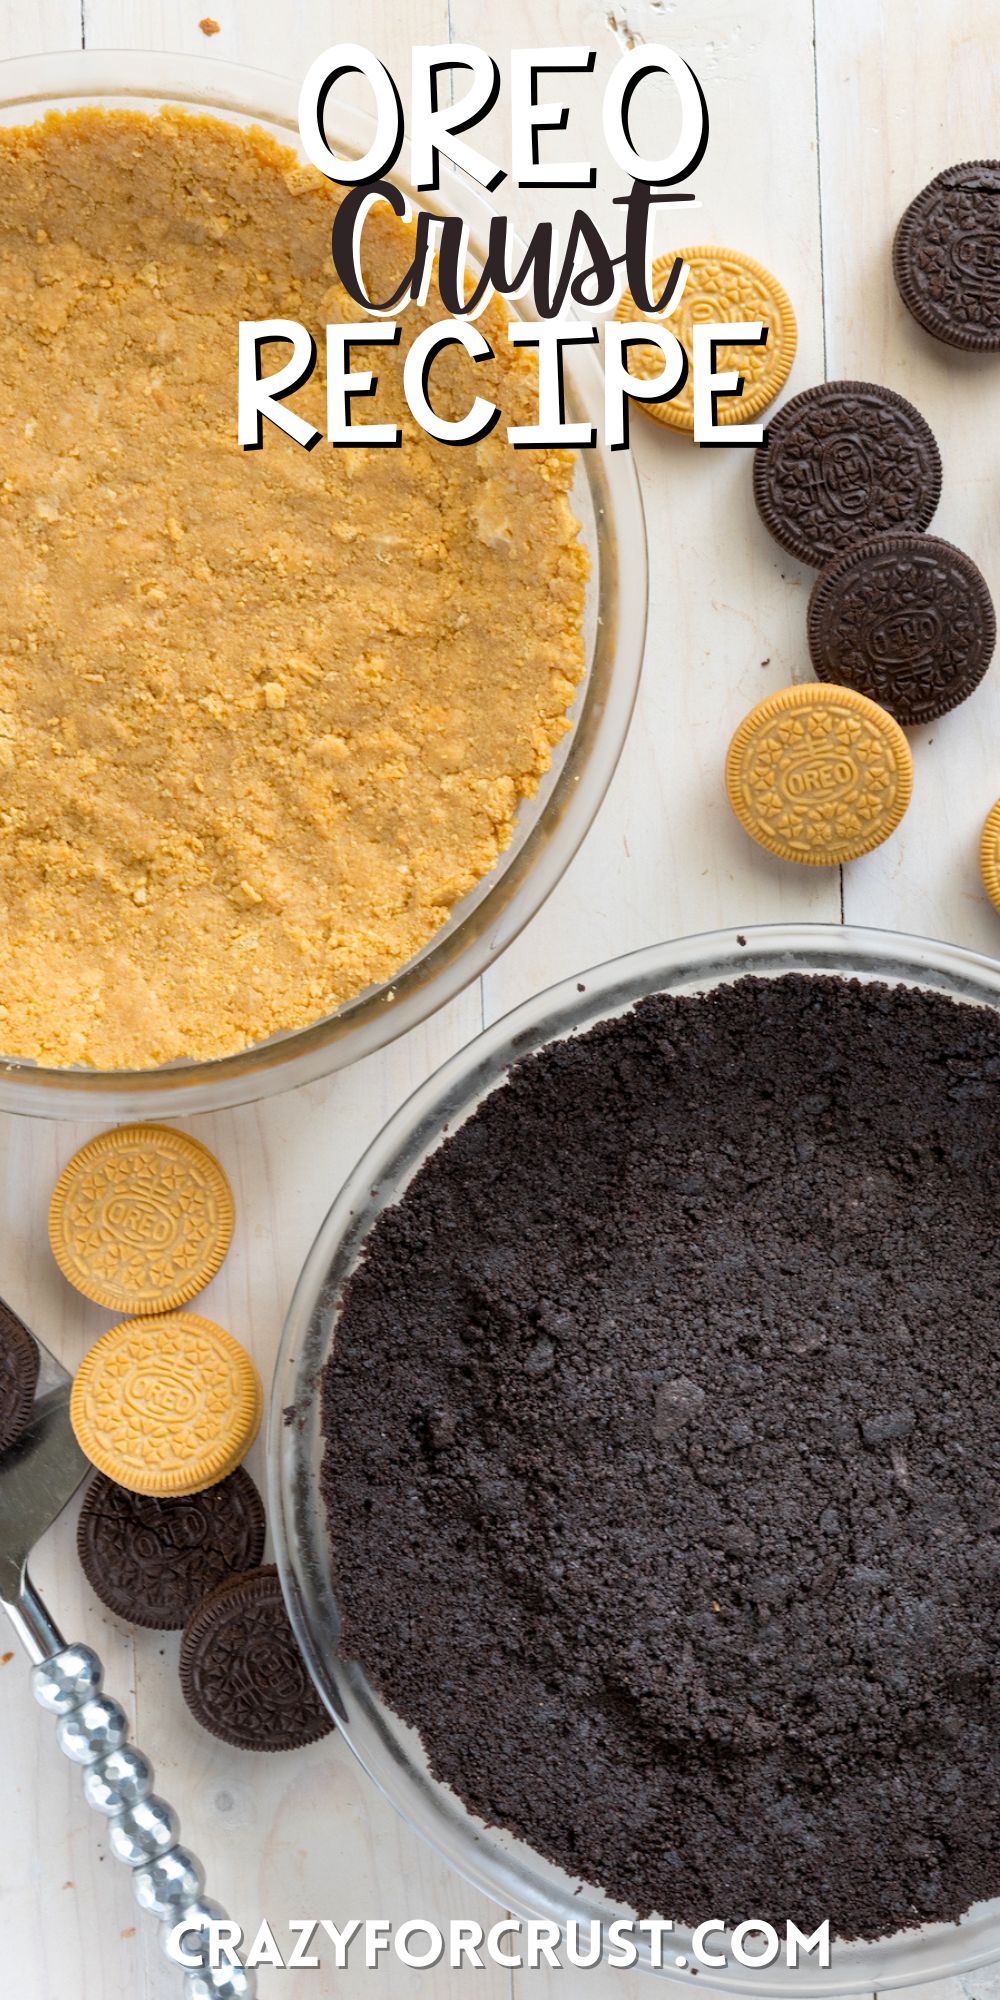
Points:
x=302 y=695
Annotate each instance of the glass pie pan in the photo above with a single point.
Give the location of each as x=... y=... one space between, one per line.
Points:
x=551 y=825
x=503 y=1867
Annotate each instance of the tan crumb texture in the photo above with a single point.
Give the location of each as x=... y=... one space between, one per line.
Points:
x=265 y=717
x=208 y=26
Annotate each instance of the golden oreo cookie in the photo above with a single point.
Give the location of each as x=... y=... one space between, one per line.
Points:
x=166 y=1406
x=141 y=1219
x=989 y=855
x=722 y=285
x=819 y=774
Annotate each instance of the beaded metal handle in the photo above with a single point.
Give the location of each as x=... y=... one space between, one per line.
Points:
x=142 y=1829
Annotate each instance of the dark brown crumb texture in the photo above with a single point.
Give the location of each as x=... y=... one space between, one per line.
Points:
x=662 y=1456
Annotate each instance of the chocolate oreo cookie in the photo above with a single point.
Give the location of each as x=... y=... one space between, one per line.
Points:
x=18 y=1376
x=843 y=461
x=242 y=1674
x=946 y=256
x=152 y=1561
x=905 y=619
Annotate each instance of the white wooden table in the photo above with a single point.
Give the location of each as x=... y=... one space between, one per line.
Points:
x=825 y=120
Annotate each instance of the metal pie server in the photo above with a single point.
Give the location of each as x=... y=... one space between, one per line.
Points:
x=37 y=1478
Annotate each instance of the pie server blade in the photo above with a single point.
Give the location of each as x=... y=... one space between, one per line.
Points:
x=37 y=1478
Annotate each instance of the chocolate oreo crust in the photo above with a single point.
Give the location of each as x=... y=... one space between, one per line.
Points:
x=946 y=256
x=242 y=1674
x=844 y=461
x=152 y=1561
x=662 y=1466
x=907 y=620
x=18 y=1376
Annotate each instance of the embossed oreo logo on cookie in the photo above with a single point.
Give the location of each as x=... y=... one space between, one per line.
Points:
x=905 y=639
x=268 y=1665
x=160 y=1392
x=978 y=257
x=844 y=461
x=905 y=619
x=817 y=776
x=141 y=1221
x=846 y=475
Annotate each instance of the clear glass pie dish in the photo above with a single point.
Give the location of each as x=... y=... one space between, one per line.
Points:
x=550 y=826
x=495 y=1862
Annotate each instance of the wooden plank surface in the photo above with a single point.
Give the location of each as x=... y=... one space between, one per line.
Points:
x=899 y=91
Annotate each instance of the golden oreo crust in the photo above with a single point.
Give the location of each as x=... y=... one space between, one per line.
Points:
x=166 y=1406
x=141 y=1219
x=819 y=774
x=724 y=285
